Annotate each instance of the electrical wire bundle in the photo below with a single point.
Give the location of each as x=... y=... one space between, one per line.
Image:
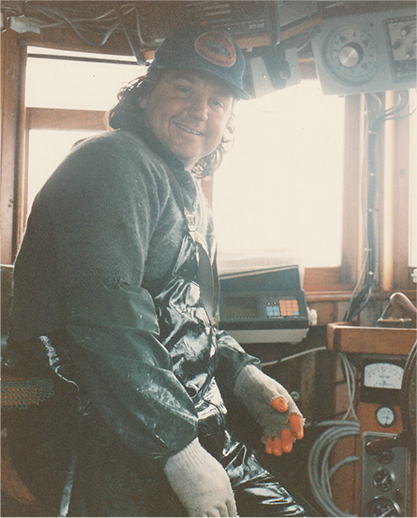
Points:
x=361 y=295
x=81 y=18
x=319 y=470
x=92 y=26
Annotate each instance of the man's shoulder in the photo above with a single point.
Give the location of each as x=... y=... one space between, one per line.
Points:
x=111 y=140
x=112 y=158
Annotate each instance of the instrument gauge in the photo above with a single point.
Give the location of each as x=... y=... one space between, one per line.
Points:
x=351 y=54
x=385 y=416
x=383 y=479
x=383 y=375
x=381 y=506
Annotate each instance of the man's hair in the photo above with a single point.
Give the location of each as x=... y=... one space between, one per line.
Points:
x=127 y=115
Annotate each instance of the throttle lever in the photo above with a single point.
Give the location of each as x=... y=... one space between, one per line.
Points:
x=403 y=304
x=379 y=446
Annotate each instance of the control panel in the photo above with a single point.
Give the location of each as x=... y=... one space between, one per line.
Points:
x=370 y=52
x=155 y=20
x=384 y=479
x=158 y=19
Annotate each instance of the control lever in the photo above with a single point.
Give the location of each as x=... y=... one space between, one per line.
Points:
x=403 y=304
x=380 y=446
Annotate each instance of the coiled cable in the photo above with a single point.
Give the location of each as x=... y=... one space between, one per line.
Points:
x=319 y=472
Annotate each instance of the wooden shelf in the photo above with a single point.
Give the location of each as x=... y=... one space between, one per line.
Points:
x=370 y=340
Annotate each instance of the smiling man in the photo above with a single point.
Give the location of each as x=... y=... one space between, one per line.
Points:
x=115 y=295
x=189 y=114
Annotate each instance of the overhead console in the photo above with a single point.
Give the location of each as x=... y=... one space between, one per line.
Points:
x=148 y=23
x=356 y=47
x=240 y=18
x=367 y=52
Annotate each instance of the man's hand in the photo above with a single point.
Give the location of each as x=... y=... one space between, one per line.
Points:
x=272 y=407
x=200 y=482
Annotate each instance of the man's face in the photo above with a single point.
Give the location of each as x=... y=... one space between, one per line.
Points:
x=188 y=113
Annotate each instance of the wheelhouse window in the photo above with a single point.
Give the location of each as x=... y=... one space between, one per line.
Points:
x=412 y=248
x=280 y=188
x=289 y=190
x=67 y=96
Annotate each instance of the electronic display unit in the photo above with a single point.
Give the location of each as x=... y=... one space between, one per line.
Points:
x=264 y=307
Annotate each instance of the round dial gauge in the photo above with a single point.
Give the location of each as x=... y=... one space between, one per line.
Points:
x=384 y=457
x=351 y=55
x=383 y=479
x=385 y=416
x=381 y=506
x=383 y=375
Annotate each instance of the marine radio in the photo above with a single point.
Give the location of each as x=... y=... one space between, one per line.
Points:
x=264 y=306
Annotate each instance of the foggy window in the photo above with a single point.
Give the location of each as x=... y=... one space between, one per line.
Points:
x=412 y=247
x=279 y=190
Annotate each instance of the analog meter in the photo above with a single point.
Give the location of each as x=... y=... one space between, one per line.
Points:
x=385 y=416
x=383 y=375
x=383 y=479
x=351 y=55
x=381 y=381
x=381 y=506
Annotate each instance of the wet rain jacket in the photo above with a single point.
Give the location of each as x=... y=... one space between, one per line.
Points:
x=116 y=267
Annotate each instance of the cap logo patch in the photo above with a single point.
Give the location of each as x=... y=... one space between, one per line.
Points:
x=216 y=48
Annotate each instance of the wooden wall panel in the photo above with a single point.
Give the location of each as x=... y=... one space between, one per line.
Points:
x=13 y=66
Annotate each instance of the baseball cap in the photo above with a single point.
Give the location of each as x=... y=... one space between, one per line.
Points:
x=203 y=49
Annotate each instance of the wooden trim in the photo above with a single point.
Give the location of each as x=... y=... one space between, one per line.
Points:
x=324 y=279
x=394 y=270
x=370 y=340
x=63 y=119
x=20 y=193
x=5 y=251
x=401 y=201
x=13 y=69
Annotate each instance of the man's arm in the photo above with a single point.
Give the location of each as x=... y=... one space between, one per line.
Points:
x=124 y=369
x=239 y=375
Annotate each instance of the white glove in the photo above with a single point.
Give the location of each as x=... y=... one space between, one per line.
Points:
x=200 y=482
x=272 y=407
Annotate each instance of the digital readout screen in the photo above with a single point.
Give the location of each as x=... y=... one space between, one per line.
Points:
x=240 y=307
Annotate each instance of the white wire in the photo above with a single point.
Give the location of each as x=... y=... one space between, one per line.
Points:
x=363 y=209
x=318 y=462
x=351 y=386
x=319 y=470
x=296 y=355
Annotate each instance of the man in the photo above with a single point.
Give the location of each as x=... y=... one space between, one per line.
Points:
x=115 y=291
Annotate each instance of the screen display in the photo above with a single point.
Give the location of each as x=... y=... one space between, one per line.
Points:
x=240 y=307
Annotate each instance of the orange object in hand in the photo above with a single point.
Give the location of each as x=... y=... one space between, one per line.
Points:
x=276 y=445
x=279 y=404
